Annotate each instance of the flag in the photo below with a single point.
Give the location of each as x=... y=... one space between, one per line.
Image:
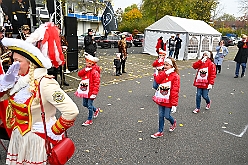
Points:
x=109 y=20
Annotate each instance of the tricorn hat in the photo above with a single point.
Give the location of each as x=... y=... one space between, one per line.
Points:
x=25 y=27
x=28 y=51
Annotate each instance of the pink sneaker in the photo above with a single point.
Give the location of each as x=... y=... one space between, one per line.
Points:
x=173 y=127
x=196 y=110
x=208 y=105
x=96 y=113
x=158 y=134
x=87 y=122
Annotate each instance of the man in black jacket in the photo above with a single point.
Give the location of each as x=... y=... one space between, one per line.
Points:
x=178 y=46
x=241 y=57
x=90 y=44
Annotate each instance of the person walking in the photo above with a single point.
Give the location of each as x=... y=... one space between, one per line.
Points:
x=241 y=56
x=122 y=48
x=171 y=45
x=25 y=84
x=178 y=46
x=90 y=44
x=222 y=51
x=89 y=86
x=204 y=79
x=166 y=96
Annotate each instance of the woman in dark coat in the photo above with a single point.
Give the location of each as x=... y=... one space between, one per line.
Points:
x=241 y=57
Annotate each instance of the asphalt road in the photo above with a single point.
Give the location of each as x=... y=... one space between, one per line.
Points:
x=121 y=133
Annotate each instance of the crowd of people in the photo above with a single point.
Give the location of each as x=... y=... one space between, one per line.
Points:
x=173 y=43
x=29 y=86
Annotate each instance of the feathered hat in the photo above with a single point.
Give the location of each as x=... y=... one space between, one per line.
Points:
x=47 y=39
x=90 y=58
x=29 y=51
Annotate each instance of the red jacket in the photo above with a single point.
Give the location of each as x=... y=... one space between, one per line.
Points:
x=94 y=79
x=160 y=44
x=206 y=73
x=156 y=63
x=172 y=83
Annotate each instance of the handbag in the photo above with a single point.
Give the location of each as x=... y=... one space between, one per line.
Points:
x=62 y=151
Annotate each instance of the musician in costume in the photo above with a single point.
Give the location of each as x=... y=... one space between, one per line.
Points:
x=6 y=60
x=24 y=32
x=20 y=12
x=20 y=85
x=8 y=26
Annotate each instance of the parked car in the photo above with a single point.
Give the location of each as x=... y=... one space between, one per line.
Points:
x=228 y=41
x=138 y=39
x=237 y=39
x=81 y=41
x=109 y=42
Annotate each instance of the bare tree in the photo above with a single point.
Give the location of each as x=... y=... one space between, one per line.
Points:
x=244 y=6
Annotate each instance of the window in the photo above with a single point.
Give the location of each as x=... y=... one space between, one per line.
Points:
x=215 y=43
x=205 y=44
x=193 y=45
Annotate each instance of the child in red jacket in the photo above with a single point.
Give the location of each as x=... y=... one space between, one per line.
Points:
x=158 y=64
x=89 y=86
x=204 y=80
x=167 y=94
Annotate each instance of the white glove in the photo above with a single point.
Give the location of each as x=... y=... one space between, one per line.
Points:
x=93 y=96
x=173 y=109
x=87 y=69
x=9 y=79
x=15 y=17
x=204 y=59
x=160 y=60
x=210 y=86
x=12 y=72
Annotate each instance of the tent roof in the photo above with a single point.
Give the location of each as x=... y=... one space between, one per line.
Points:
x=177 y=24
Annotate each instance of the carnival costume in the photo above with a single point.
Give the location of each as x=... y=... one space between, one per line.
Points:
x=23 y=114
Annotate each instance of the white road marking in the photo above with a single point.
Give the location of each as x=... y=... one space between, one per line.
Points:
x=240 y=135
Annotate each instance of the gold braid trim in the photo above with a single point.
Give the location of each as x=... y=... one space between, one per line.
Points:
x=61 y=125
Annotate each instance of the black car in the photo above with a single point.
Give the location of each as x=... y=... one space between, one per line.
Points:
x=109 y=42
x=138 y=39
x=228 y=41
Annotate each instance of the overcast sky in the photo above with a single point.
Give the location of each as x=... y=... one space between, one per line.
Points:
x=228 y=6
